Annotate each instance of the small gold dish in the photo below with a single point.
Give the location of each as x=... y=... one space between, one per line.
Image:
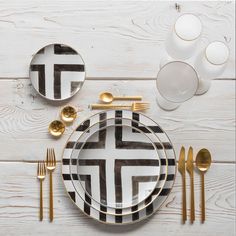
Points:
x=56 y=128
x=68 y=114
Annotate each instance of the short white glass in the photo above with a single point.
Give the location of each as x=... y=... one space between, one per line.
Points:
x=176 y=83
x=210 y=63
x=183 y=39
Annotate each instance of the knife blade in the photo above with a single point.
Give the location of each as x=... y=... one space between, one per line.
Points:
x=181 y=168
x=190 y=169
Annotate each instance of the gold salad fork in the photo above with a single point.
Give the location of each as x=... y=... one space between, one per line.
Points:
x=41 y=173
x=135 y=106
x=51 y=165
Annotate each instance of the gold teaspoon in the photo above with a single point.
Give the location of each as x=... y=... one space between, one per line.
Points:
x=107 y=97
x=203 y=162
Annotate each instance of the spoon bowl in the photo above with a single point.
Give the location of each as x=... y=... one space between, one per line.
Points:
x=203 y=160
x=106 y=97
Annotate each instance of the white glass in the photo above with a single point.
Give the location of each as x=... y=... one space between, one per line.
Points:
x=210 y=63
x=176 y=83
x=183 y=39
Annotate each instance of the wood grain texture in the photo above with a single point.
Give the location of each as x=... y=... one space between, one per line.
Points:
x=19 y=191
x=207 y=120
x=116 y=39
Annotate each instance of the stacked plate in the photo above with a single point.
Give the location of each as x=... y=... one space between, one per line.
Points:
x=118 y=167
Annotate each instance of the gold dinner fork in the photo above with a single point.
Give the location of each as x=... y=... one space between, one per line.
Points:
x=41 y=173
x=51 y=165
x=135 y=106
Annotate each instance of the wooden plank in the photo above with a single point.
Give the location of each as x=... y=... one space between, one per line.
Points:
x=116 y=39
x=19 y=191
x=204 y=121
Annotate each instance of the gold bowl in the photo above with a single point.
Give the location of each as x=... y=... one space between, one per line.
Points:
x=56 y=128
x=68 y=114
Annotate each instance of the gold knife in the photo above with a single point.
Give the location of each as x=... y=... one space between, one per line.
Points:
x=181 y=168
x=190 y=168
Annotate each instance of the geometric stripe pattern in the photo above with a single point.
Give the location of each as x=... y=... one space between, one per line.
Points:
x=139 y=211
x=57 y=72
x=118 y=161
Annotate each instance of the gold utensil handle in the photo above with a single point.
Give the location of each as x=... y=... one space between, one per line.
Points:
x=134 y=98
x=108 y=106
x=51 y=198
x=203 y=198
x=41 y=201
x=184 y=209
x=192 y=213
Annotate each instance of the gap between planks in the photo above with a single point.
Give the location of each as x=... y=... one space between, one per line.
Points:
x=59 y=161
x=108 y=78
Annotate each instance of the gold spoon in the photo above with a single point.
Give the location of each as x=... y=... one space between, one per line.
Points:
x=108 y=97
x=56 y=128
x=203 y=162
x=68 y=114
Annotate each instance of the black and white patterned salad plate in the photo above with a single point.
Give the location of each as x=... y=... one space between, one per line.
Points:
x=70 y=168
x=120 y=173
x=57 y=72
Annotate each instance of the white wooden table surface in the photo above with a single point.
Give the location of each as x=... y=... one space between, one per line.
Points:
x=121 y=43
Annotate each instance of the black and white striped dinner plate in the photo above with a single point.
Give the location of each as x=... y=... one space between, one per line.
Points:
x=57 y=72
x=155 y=199
x=122 y=134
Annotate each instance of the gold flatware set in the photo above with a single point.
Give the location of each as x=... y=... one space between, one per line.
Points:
x=107 y=98
x=50 y=165
x=203 y=162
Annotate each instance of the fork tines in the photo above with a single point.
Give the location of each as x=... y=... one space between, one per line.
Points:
x=139 y=106
x=50 y=159
x=41 y=170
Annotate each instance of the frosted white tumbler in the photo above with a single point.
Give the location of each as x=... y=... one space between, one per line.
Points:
x=183 y=39
x=210 y=63
x=176 y=83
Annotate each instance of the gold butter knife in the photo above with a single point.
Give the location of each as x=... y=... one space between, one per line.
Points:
x=181 y=168
x=190 y=168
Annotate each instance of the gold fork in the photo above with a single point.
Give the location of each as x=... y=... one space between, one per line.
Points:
x=41 y=173
x=51 y=165
x=135 y=106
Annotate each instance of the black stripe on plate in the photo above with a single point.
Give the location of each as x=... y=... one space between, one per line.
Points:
x=118 y=219
x=118 y=211
x=103 y=208
x=86 y=208
x=165 y=191
x=149 y=209
x=66 y=176
x=70 y=145
x=72 y=195
x=63 y=49
x=135 y=216
x=65 y=162
x=170 y=177
x=102 y=217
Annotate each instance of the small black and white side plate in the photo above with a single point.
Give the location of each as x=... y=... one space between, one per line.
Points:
x=153 y=202
x=57 y=72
